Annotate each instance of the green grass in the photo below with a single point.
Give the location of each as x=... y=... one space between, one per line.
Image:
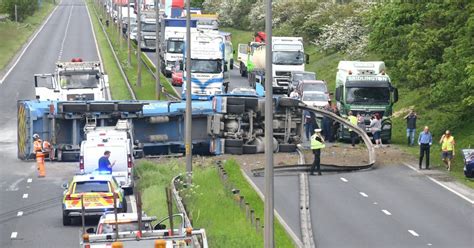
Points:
x=118 y=87
x=235 y=176
x=147 y=89
x=225 y=223
x=14 y=35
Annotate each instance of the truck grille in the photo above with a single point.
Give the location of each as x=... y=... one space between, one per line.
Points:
x=283 y=73
x=150 y=43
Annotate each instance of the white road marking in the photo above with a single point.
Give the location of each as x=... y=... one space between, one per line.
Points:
x=375 y=203
x=133 y=202
x=65 y=34
x=29 y=180
x=386 y=212
x=20 y=213
x=429 y=244
x=413 y=233
x=443 y=185
x=363 y=194
x=14 y=185
x=28 y=45
x=344 y=180
x=14 y=235
x=25 y=196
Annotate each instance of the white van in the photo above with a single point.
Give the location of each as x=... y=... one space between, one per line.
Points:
x=115 y=139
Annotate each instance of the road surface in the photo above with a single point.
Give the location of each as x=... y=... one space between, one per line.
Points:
x=390 y=206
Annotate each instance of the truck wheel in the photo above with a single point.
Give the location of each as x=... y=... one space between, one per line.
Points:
x=288 y=102
x=231 y=66
x=234 y=142
x=287 y=148
x=66 y=219
x=243 y=70
x=233 y=150
x=235 y=109
x=249 y=149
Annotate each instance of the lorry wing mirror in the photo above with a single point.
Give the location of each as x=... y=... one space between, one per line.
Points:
x=338 y=93
x=65 y=186
x=395 y=95
x=306 y=58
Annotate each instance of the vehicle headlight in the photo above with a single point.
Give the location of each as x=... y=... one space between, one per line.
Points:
x=387 y=127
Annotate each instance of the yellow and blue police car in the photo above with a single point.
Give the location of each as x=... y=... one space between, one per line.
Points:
x=93 y=191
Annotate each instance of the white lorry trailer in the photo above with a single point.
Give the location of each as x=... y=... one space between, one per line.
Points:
x=73 y=81
x=209 y=74
x=118 y=140
x=148 y=30
x=288 y=56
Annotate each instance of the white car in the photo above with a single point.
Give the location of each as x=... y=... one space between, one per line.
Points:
x=315 y=98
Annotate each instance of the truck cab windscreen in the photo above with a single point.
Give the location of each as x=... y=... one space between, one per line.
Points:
x=175 y=46
x=79 y=81
x=368 y=95
x=206 y=66
x=148 y=27
x=288 y=58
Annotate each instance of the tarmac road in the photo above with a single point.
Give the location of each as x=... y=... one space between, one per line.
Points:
x=390 y=206
x=30 y=207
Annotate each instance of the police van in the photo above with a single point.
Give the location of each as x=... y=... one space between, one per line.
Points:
x=116 y=139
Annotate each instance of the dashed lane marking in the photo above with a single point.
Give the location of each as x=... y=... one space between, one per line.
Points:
x=65 y=34
x=25 y=196
x=363 y=194
x=14 y=235
x=413 y=233
x=375 y=203
x=386 y=212
x=344 y=180
x=29 y=180
x=20 y=213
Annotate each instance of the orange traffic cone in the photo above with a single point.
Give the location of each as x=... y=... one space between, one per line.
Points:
x=40 y=164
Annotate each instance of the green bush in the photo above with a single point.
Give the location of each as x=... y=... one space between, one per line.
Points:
x=25 y=8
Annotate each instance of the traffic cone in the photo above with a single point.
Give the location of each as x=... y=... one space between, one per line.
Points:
x=40 y=164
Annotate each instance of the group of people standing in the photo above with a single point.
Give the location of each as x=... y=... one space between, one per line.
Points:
x=425 y=141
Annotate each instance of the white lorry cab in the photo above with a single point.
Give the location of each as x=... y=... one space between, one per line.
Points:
x=209 y=74
x=116 y=139
x=72 y=81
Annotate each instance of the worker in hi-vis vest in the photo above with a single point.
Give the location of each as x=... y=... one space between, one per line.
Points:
x=353 y=120
x=317 y=143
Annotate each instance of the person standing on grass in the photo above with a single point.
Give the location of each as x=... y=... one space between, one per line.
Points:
x=353 y=121
x=376 y=128
x=447 y=146
x=425 y=140
x=411 y=126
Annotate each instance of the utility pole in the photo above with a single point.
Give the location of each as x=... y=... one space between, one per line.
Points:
x=128 y=37
x=157 y=51
x=139 y=43
x=119 y=23
x=268 y=208
x=189 y=110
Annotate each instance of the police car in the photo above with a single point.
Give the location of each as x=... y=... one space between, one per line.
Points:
x=93 y=191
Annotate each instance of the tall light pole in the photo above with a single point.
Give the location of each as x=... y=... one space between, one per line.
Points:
x=139 y=43
x=189 y=110
x=268 y=226
x=128 y=37
x=157 y=51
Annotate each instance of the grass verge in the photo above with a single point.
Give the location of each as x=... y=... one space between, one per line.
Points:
x=210 y=205
x=147 y=89
x=325 y=66
x=118 y=87
x=14 y=35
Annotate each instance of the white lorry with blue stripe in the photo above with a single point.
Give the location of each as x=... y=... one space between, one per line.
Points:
x=209 y=74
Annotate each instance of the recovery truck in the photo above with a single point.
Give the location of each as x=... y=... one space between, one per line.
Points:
x=72 y=81
x=364 y=88
x=288 y=56
x=209 y=74
x=173 y=43
x=232 y=124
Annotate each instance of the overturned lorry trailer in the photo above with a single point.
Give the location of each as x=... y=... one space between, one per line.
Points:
x=232 y=124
